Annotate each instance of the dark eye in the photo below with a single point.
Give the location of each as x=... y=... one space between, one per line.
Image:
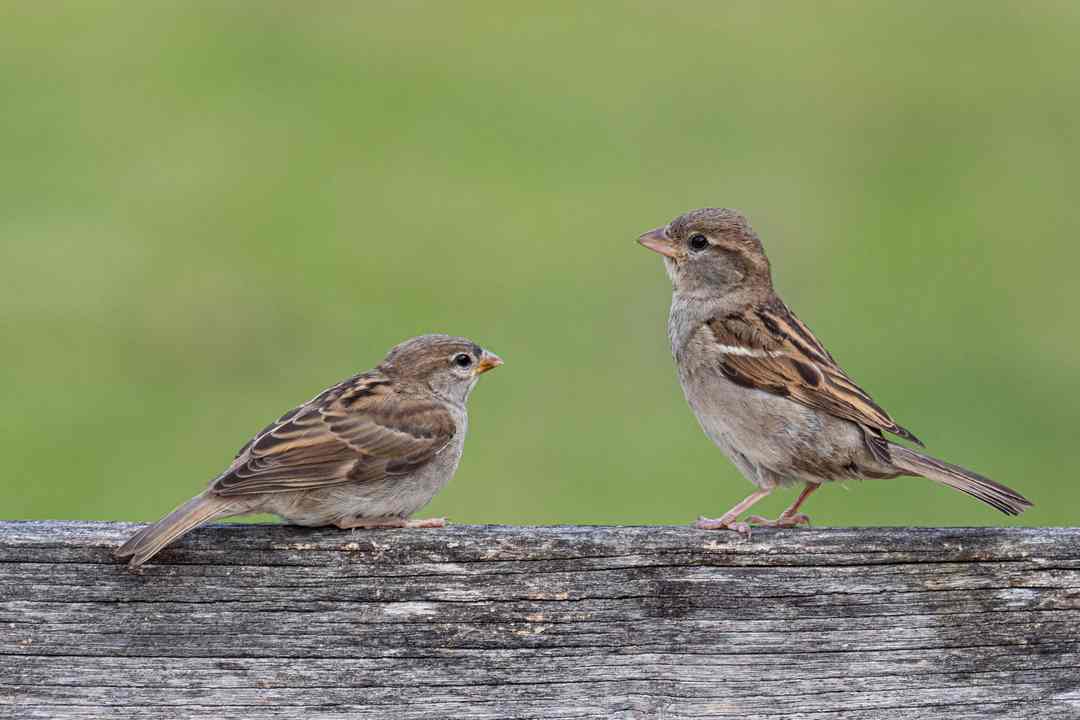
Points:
x=462 y=360
x=698 y=242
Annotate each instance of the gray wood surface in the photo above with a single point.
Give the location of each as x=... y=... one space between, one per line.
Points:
x=552 y=622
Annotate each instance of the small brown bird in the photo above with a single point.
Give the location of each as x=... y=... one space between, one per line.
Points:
x=765 y=389
x=367 y=452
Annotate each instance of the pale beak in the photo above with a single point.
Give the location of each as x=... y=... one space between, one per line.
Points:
x=488 y=361
x=658 y=241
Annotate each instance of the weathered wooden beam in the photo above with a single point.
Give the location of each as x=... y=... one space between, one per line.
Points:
x=542 y=622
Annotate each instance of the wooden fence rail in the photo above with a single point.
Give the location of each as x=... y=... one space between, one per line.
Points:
x=542 y=622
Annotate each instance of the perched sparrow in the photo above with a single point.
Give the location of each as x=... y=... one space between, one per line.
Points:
x=765 y=390
x=367 y=452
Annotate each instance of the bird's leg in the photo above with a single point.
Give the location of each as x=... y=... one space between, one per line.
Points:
x=426 y=523
x=730 y=519
x=376 y=523
x=790 y=517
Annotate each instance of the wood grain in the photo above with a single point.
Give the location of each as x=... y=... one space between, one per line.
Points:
x=542 y=622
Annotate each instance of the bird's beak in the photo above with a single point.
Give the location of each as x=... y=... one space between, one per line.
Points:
x=488 y=361
x=658 y=241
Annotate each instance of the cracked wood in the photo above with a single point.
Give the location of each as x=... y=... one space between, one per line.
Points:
x=552 y=622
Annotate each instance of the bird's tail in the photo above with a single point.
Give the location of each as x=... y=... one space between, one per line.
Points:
x=149 y=541
x=992 y=493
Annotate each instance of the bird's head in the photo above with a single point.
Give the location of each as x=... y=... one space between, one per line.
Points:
x=449 y=365
x=711 y=251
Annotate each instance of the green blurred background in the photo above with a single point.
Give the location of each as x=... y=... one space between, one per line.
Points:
x=211 y=211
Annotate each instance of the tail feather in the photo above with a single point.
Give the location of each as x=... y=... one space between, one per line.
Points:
x=983 y=488
x=149 y=541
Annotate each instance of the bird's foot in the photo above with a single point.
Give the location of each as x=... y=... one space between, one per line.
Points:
x=724 y=523
x=784 y=521
x=383 y=523
x=426 y=523
x=745 y=528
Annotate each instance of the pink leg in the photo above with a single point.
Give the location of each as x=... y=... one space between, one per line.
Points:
x=729 y=520
x=375 y=523
x=790 y=517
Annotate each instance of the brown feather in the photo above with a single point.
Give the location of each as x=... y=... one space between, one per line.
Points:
x=151 y=539
x=993 y=493
x=360 y=429
x=783 y=357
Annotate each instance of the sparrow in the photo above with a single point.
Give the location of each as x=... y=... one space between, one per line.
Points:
x=365 y=453
x=763 y=387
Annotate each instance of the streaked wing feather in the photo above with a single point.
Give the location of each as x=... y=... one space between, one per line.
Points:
x=788 y=360
x=359 y=430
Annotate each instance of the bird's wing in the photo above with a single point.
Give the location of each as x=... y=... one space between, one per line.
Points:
x=768 y=348
x=358 y=430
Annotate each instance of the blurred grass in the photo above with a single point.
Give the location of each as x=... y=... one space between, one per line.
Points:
x=212 y=211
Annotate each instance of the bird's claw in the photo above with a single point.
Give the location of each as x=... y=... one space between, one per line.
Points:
x=784 y=521
x=704 y=523
x=389 y=523
x=426 y=523
x=746 y=528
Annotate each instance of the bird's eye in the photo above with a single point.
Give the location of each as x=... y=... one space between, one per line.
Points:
x=698 y=242
x=462 y=360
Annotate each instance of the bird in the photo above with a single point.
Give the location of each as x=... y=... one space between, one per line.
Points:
x=367 y=452
x=766 y=391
